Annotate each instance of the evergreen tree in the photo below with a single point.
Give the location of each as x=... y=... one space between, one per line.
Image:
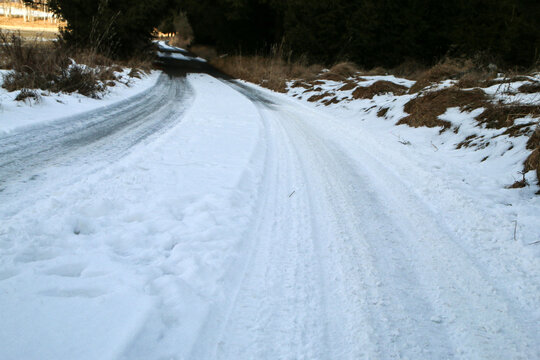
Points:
x=114 y=27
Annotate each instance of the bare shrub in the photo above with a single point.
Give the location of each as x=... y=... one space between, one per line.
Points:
x=79 y=79
x=36 y=65
x=349 y=85
x=106 y=74
x=91 y=58
x=27 y=94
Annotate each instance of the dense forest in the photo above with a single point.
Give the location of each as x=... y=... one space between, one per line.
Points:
x=373 y=32
x=368 y=32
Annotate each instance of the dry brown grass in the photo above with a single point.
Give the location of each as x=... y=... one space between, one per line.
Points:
x=534 y=140
x=302 y=84
x=349 y=85
x=379 y=88
x=409 y=69
x=425 y=110
x=476 y=78
x=26 y=94
x=271 y=72
x=507 y=79
x=530 y=88
x=340 y=72
x=449 y=69
x=319 y=97
x=48 y=66
x=206 y=52
x=498 y=116
x=533 y=161
x=181 y=41
x=91 y=58
x=382 y=112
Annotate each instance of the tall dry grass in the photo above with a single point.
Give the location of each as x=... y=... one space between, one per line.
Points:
x=50 y=66
x=272 y=71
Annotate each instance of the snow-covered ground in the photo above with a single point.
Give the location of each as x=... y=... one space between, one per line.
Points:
x=15 y=115
x=243 y=224
x=482 y=171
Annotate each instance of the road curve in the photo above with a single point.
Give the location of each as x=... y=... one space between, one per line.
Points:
x=347 y=262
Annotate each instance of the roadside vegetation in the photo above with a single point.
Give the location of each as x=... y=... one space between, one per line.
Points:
x=507 y=102
x=36 y=66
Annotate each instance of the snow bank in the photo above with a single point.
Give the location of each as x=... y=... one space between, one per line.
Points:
x=15 y=115
x=478 y=175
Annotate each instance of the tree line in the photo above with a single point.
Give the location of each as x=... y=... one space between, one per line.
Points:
x=368 y=32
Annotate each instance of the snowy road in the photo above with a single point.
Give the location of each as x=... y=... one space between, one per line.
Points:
x=207 y=219
x=103 y=133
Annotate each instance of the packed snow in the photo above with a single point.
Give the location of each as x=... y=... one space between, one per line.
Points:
x=257 y=226
x=176 y=53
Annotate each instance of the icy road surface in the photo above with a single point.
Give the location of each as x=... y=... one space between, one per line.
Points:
x=208 y=219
